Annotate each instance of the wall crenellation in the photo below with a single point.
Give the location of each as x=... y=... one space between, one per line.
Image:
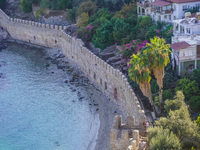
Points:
x=125 y=136
x=33 y=23
x=109 y=80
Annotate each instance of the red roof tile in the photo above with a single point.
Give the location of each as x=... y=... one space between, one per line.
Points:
x=160 y=3
x=182 y=1
x=180 y=45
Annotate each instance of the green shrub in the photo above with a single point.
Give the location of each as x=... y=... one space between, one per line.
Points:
x=83 y=21
x=36 y=2
x=195 y=103
x=100 y=17
x=71 y=14
x=112 y=5
x=175 y=104
x=167 y=94
x=103 y=36
x=163 y=139
x=86 y=33
x=86 y=7
x=2 y=4
x=38 y=13
x=63 y=4
x=198 y=121
x=145 y=22
x=196 y=76
x=179 y=122
x=26 y=5
x=156 y=100
x=44 y=4
x=119 y=30
x=188 y=87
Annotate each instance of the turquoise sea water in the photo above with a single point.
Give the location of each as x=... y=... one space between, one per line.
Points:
x=38 y=111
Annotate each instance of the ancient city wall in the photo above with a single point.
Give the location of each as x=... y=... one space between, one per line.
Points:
x=109 y=80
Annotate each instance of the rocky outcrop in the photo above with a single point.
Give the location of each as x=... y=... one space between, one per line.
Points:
x=112 y=56
x=3 y=36
x=54 y=17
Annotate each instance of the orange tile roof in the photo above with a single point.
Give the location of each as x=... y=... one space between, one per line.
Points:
x=179 y=45
x=160 y=3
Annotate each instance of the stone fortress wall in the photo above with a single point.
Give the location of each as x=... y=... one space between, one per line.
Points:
x=109 y=80
x=128 y=136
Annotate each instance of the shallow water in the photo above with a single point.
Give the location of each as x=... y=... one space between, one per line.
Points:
x=38 y=111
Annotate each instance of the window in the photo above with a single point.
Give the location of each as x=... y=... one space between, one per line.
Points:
x=184 y=7
x=164 y=8
x=165 y=16
x=169 y=17
x=95 y=76
x=197 y=5
x=169 y=7
x=188 y=30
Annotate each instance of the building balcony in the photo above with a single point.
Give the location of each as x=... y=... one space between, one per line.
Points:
x=143 y=4
x=162 y=11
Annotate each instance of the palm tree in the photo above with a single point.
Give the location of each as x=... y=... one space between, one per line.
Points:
x=156 y=54
x=141 y=74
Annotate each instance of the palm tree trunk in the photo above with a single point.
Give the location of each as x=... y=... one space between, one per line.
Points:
x=160 y=98
x=151 y=102
x=146 y=90
x=159 y=74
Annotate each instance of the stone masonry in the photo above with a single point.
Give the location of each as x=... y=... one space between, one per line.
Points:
x=128 y=136
x=109 y=80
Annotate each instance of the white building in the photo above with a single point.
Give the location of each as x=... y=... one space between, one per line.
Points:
x=186 y=44
x=166 y=10
x=180 y=6
x=188 y=25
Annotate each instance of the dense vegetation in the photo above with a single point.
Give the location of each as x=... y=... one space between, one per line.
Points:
x=122 y=27
x=177 y=130
x=112 y=5
x=51 y=4
x=2 y=4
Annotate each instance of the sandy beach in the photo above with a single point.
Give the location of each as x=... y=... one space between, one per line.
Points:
x=105 y=112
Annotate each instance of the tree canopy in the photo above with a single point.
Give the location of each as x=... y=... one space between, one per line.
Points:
x=177 y=122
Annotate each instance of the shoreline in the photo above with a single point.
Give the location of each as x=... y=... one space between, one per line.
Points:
x=105 y=109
